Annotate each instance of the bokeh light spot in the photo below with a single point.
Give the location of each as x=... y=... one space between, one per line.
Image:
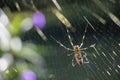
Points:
x=39 y=20
x=28 y=75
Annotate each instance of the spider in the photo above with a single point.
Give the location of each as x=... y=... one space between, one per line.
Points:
x=78 y=57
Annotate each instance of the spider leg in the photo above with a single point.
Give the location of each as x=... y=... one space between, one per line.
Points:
x=62 y=44
x=86 y=62
x=85 y=57
x=91 y=46
x=70 y=39
x=73 y=61
x=83 y=37
x=86 y=30
x=70 y=54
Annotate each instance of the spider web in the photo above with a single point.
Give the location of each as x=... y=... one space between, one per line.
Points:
x=104 y=57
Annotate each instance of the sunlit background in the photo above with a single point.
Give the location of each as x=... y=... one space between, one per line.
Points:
x=31 y=30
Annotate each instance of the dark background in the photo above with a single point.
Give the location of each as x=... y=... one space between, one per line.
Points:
x=106 y=64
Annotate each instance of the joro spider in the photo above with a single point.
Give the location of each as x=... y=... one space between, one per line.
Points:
x=77 y=49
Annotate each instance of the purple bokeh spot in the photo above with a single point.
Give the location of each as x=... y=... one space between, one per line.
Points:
x=28 y=75
x=39 y=20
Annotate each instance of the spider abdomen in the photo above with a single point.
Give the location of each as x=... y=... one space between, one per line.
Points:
x=79 y=60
